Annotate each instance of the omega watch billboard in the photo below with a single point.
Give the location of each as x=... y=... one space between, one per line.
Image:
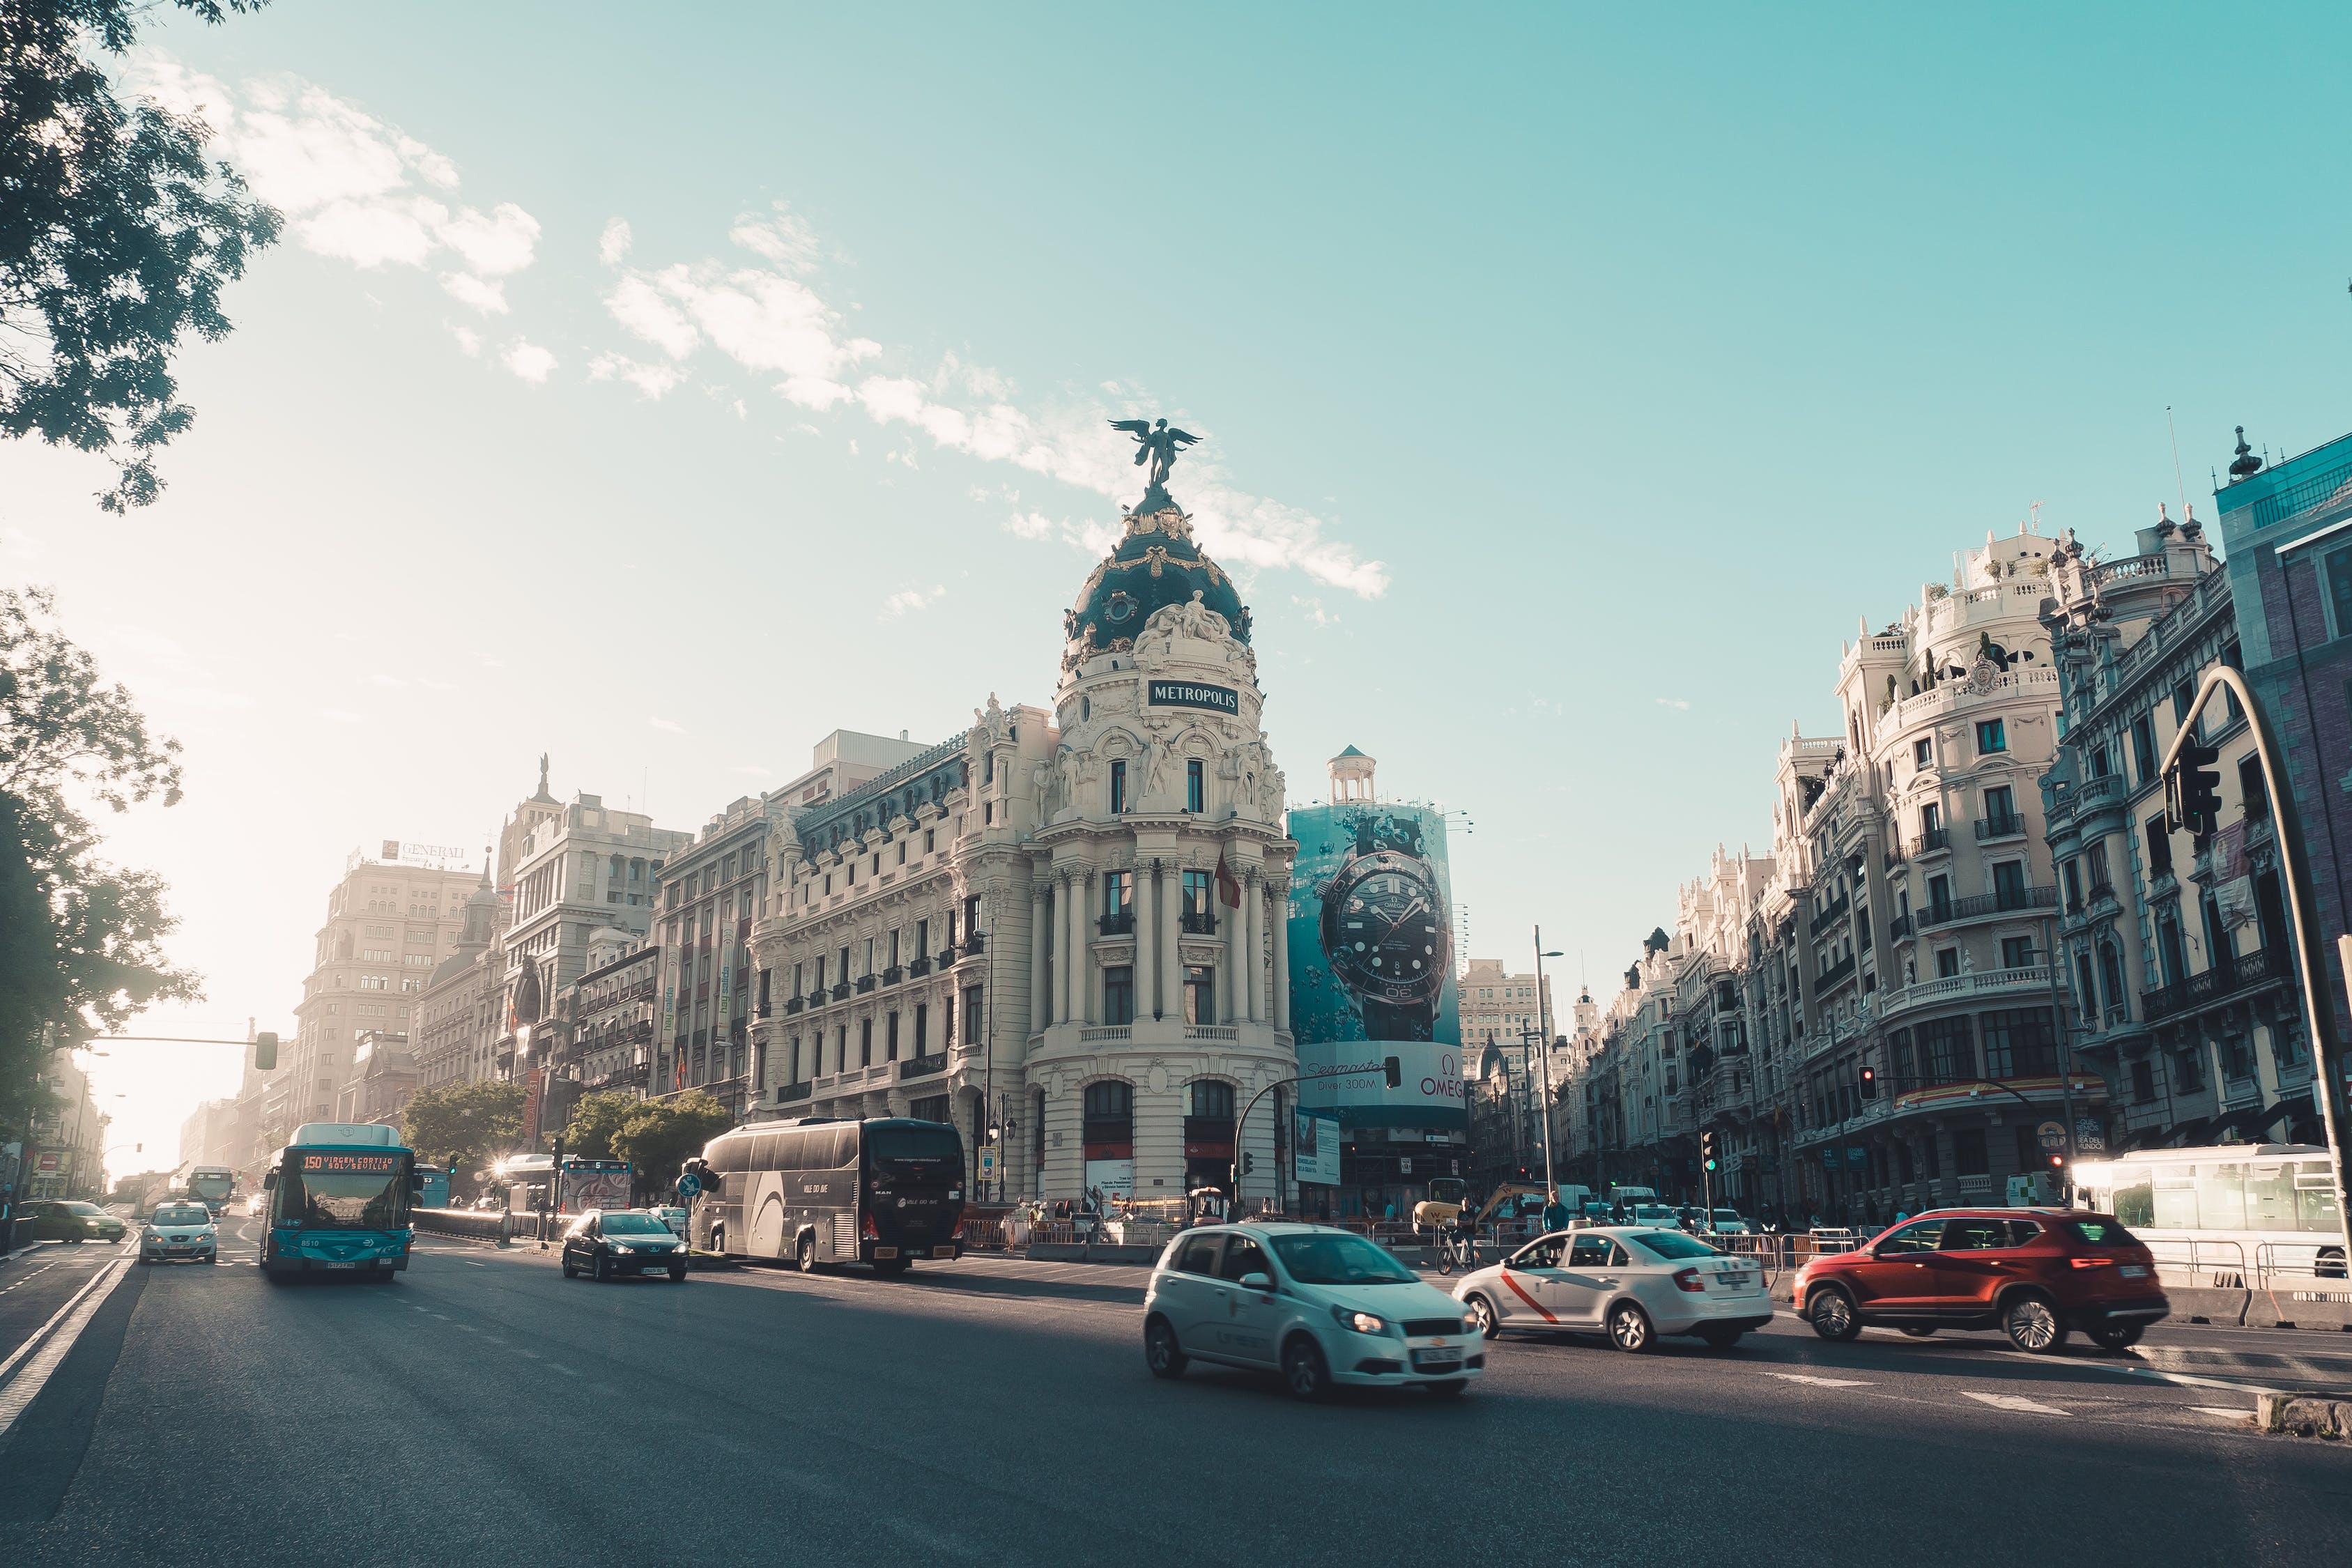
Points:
x=1371 y=963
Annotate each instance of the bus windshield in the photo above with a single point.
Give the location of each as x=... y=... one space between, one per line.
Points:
x=339 y=1191
x=915 y=1151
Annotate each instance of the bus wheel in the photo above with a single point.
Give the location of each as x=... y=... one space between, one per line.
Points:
x=807 y=1255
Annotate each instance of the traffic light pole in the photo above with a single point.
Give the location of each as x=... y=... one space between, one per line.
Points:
x=2318 y=1008
x=1393 y=1068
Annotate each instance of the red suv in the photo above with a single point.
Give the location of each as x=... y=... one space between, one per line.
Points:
x=2032 y=1273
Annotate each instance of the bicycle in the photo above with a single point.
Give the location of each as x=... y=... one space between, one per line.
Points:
x=1455 y=1251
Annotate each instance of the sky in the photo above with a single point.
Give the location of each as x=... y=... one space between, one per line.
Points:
x=662 y=391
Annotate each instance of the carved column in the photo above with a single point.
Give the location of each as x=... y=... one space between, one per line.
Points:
x=1061 y=991
x=1252 y=944
x=1145 y=969
x=1235 y=993
x=1280 y=1012
x=1084 y=973
x=1041 y=931
x=1171 y=937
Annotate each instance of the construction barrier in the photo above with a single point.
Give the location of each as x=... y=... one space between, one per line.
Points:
x=474 y=1224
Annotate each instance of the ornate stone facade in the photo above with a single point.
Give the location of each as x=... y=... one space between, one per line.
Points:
x=1063 y=924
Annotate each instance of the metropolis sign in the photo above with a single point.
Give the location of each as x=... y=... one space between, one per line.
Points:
x=1184 y=694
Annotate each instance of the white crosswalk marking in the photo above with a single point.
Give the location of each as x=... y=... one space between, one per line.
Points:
x=2012 y=1402
x=1819 y=1381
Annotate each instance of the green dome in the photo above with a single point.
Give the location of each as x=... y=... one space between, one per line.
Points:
x=1156 y=566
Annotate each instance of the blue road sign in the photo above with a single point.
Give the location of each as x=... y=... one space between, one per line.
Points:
x=688 y=1183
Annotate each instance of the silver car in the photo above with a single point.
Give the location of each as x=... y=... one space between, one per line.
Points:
x=180 y=1232
x=1323 y=1306
x=1632 y=1283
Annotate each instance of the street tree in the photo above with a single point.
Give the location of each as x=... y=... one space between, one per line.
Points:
x=464 y=1126
x=663 y=1134
x=117 y=235
x=596 y=1121
x=81 y=940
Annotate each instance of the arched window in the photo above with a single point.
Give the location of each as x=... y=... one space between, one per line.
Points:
x=1212 y=1098
x=1108 y=1099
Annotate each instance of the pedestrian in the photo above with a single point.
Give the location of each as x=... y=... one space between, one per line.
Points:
x=1555 y=1213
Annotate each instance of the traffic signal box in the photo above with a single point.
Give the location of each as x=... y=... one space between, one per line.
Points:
x=2192 y=789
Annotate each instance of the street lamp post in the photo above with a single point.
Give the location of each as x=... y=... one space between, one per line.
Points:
x=1543 y=1018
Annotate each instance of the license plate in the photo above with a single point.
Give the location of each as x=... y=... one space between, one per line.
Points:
x=2134 y=1271
x=886 y=1252
x=657 y=1267
x=1736 y=1281
x=1437 y=1358
x=943 y=1252
x=342 y=1266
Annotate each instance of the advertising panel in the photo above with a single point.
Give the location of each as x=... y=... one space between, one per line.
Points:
x=604 y=1186
x=1109 y=1179
x=1371 y=964
x=1318 y=1143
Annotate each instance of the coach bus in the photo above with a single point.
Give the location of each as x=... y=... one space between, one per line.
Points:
x=211 y=1185
x=339 y=1201
x=821 y=1191
x=2236 y=1212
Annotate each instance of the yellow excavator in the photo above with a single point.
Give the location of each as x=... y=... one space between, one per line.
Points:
x=1448 y=1194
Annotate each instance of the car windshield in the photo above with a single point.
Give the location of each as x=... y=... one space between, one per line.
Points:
x=1336 y=1257
x=87 y=1208
x=1727 y=1216
x=183 y=1214
x=634 y=1225
x=1674 y=1244
x=333 y=1191
x=915 y=1151
x=2102 y=1233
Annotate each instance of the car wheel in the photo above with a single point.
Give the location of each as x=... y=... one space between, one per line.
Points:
x=1451 y=1388
x=570 y=1272
x=604 y=1269
x=2329 y=1264
x=1721 y=1339
x=1304 y=1371
x=2117 y=1336
x=678 y=1275
x=807 y=1254
x=1915 y=1332
x=1483 y=1310
x=212 y=1258
x=1629 y=1328
x=1160 y=1351
x=2031 y=1320
x=1832 y=1315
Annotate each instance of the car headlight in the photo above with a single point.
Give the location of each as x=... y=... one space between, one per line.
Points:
x=1469 y=1324
x=1361 y=1322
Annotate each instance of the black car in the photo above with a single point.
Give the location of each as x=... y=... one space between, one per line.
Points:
x=621 y=1243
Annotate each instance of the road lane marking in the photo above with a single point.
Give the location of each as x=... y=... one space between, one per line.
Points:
x=2012 y=1402
x=28 y=1278
x=1819 y=1381
x=2232 y=1412
x=559 y=1366
x=21 y=1390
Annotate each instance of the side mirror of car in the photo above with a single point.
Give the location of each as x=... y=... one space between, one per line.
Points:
x=1256 y=1282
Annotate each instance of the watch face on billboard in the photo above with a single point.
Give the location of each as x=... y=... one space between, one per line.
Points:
x=1371 y=963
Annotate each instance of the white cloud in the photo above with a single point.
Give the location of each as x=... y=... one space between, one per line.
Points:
x=613 y=245
x=652 y=380
x=1312 y=612
x=1030 y=525
x=907 y=600
x=351 y=187
x=670 y=726
x=468 y=340
x=526 y=360
x=1675 y=702
x=772 y=320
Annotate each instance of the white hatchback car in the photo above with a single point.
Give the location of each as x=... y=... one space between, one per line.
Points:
x=1630 y=1282
x=1323 y=1306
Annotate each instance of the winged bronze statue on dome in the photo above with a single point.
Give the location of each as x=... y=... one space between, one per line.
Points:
x=1158 y=446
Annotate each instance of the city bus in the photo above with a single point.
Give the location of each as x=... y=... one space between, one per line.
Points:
x=339 y=1201
x=2237 y=1214
x=585 y=1184
x=432 y=1187
x=211 y=1185
x=823 y=1191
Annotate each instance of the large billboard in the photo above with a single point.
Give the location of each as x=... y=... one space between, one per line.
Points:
x=1371 y=964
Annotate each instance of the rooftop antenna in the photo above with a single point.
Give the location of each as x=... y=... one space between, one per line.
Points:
x=2180 y=483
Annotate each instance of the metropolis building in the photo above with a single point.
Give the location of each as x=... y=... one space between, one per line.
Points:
x=1064 y=925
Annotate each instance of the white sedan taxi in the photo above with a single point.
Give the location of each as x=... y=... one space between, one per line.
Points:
x=1630 y=1282
x=1323 y=1307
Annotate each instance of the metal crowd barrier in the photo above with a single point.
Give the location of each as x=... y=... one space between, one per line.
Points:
x=475 y=1224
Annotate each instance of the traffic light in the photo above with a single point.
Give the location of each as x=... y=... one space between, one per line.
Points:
x=2192 y=797
x=1249 y=1162
x=1706 y=1149
x=1868 y=1078
x=265 y=1052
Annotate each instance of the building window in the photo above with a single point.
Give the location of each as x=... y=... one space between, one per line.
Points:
x=973 y=1021
x=1119 y=994
x=1947 y=962
x=2019 y=1043
x=1118 y=786
x=1923 y=753
x=865 y=1042
x=2008 y=886
x=2017 y=953
x=1200 y=994
x=922 y=1027
x=2143 y=745
x=890 y=1038
x=1196 y=900
x=2111 y=977
x=1992 y=737
x=2339 y=591
x=1968 y=1157
x=1195 y=794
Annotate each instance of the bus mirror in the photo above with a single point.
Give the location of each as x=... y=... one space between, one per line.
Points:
x=415 y=1183
x=268 y=1180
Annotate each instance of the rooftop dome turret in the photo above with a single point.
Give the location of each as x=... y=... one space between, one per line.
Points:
x=1156 y=564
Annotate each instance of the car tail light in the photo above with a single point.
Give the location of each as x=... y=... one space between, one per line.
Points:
x=1688 y=1279
x=957 y=1234
x=2083 y=1262
x=871 y=1234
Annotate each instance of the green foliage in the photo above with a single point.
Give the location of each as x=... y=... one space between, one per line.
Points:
x=81 y=940
x=662 y=1134
x=116 y=238
x=463 y=1125
x=595 y=1121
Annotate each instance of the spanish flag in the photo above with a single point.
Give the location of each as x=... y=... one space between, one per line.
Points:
x=1229 y=887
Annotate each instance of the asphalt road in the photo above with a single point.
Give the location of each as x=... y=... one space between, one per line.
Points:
x=483 y=1410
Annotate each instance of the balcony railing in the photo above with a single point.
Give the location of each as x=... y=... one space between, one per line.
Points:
x=793 y=1005
x=923 y=1067
x=1934 y=841
x=1194 y=923
x=841 y=991
x=865 y=983
x=893 y=975
x=975 y=944
x=1119 y=924
x=1895 y=855
x=947 y=958
x=2008 y=825
x=2103 y=890
x=816 y=998
x=920 y=967
x=789 y=1093
x=1835 y=973
x=2259 y=967
x=1961 y=987
x=1899 y=929
x=1831 y=916
x=1982 y=905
